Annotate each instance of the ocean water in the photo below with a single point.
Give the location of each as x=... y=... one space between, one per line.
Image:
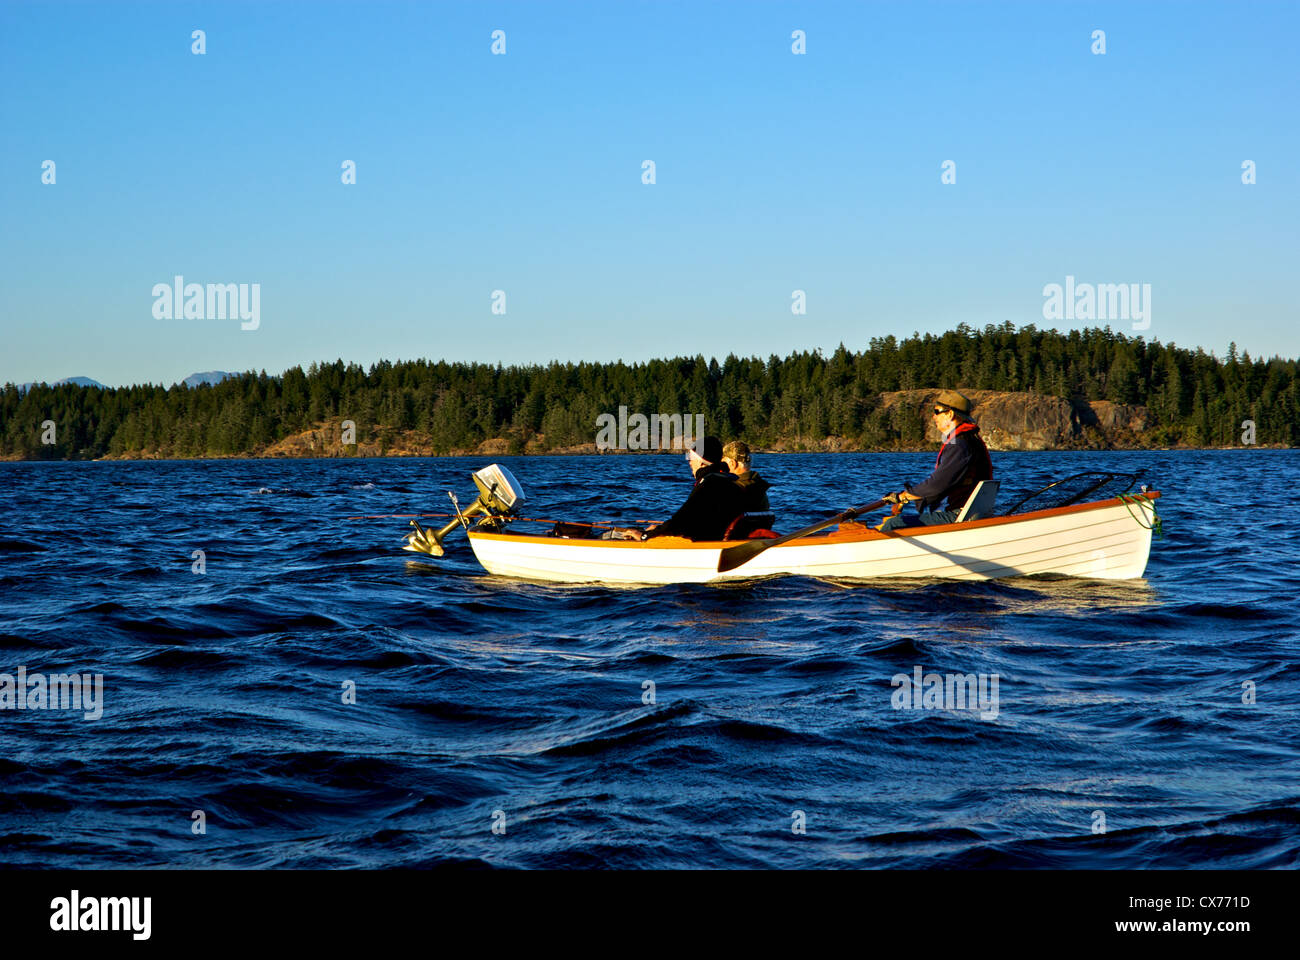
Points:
x=772 y=739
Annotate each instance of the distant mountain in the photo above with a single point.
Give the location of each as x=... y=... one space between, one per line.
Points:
x=80 y=382
x=211 y=377
x=75 y=381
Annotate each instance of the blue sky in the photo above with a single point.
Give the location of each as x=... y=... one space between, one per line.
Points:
x=522 y=173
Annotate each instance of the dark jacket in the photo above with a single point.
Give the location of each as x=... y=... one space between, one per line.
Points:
x=962 y=462
x=708 y=511
x=707 y=469
x=755 y=490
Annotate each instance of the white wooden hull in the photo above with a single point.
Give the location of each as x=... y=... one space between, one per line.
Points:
x=1099 y=540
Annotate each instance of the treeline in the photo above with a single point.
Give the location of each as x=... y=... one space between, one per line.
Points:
x=1194 y=398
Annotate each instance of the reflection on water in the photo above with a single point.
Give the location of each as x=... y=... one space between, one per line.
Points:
x=1069 y=593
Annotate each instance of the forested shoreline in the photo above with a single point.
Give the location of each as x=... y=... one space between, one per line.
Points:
x=1189 y=398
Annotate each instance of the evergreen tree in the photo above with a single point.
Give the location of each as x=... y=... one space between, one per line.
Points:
x=1192 y=396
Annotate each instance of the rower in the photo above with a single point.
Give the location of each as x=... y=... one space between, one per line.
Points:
x=962 y=463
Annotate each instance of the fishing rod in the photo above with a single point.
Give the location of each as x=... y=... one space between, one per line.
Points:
x=418 y=516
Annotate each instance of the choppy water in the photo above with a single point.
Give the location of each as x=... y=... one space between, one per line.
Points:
x=474 y=694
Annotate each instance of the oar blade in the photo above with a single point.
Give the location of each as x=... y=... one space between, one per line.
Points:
x=732 y=557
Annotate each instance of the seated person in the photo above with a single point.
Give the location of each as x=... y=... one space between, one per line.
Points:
x=736 y=457
x=707 y=513
x=710 y=462
x=963 y=462
x=757 y=518
x=718 y=500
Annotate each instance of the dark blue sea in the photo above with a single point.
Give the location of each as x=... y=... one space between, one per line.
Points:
x=1125 y=735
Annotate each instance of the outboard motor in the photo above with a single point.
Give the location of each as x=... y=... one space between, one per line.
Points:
x=499 y=498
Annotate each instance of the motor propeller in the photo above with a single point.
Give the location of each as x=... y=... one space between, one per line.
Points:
x=499 y=498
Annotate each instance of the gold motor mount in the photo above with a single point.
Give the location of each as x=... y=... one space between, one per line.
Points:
x=500 y=497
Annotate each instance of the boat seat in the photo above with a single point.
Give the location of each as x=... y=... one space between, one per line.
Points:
x=749 y=525
x=981 y=500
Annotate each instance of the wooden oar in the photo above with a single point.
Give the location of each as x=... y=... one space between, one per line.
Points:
x=732 y=557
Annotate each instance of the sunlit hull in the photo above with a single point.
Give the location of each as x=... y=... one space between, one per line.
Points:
x=1103 y=540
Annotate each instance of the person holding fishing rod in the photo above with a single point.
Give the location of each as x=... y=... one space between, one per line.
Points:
x=709 y=463
x=720 y=500
x=963 y=462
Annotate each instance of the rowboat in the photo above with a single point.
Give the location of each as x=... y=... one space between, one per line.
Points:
x=1107 y=539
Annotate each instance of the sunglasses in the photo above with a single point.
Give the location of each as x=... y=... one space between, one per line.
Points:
x=940 y=410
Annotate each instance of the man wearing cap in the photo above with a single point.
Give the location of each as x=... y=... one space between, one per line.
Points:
x=963 y=462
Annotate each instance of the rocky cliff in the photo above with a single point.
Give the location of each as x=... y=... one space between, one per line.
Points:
x=1031 y=421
